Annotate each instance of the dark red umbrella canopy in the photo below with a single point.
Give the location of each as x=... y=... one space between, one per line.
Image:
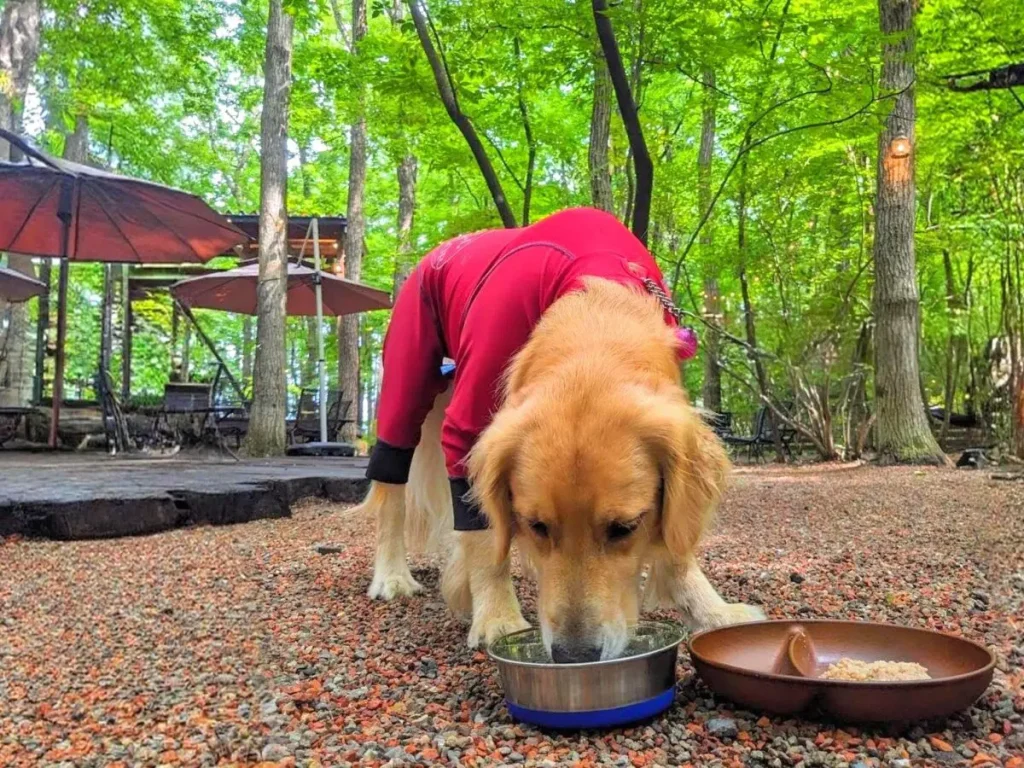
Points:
x=111 y=218
x=235 y=291
x=15 y=286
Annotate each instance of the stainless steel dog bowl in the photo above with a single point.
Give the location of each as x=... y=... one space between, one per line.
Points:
x=599 y=694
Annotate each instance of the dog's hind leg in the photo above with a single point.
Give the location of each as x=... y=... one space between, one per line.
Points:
x=391 y=575
x=419 y=511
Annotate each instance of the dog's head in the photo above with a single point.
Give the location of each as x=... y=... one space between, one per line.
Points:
x=593 y=482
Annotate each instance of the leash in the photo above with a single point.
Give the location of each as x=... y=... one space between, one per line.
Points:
x=686 y=337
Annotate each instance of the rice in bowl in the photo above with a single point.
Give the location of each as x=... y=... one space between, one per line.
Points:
x=857 y=671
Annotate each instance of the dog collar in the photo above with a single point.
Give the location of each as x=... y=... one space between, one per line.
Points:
x=686 y=337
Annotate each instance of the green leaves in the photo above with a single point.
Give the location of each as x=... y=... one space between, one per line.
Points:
x=172 y=90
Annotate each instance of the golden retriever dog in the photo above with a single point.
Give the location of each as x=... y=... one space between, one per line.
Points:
x=596 y=467
x=576 y=444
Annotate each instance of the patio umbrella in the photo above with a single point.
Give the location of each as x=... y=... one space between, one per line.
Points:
x=15 y=286
x=55 y=208
x=310 y=292
x=235 y=291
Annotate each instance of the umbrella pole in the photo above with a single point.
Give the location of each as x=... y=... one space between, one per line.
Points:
x=64 y=213
x=321 y=362
x=62 y=332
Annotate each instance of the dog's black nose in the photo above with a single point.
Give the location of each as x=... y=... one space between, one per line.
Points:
x=574 y=654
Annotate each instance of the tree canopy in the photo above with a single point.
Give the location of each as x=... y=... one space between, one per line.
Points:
x=172 y=91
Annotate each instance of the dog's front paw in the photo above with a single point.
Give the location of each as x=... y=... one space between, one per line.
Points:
x=486 y=629
x=392 y=584
x=730 y=613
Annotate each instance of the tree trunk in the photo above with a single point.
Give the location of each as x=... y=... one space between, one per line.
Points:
x=644 y=169
x=903 y=434
x=712 y=394
x=267 y=422
x=19 y=49
x=956 y=340
x=355 y=229
x=600 y=136
x=531 y=142
x=749 y=323
x=406 y=211
x=407 y=170
x=451 y=104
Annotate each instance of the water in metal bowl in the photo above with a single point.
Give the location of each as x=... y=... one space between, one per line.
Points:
x=635 y=686
x=528 y=647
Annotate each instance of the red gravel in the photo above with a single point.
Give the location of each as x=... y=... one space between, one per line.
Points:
x=242 y=644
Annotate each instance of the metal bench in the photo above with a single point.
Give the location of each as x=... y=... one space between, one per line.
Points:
x=763 y=437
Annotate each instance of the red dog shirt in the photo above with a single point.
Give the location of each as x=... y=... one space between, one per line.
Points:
x=475 y=299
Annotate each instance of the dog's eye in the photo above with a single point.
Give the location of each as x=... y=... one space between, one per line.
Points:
x=539 y=528
x=620 y=531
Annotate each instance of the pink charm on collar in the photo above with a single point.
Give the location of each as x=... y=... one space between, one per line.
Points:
x=686 y=342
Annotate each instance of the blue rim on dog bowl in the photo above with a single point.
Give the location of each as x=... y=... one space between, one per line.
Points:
x=638 y=685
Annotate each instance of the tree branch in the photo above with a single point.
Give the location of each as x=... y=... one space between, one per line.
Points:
x=339 y=22
x=642 y=165
x=1009 y=76
x=447 y=93
x=751 y=145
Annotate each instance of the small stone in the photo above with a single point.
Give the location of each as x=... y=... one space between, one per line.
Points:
x=796 y=578
x=722 y=727
x=515 y=757
x=268 y=708
x=274 y=752
x=328 y=549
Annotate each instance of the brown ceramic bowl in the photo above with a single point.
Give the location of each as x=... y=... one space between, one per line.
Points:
x=758 y=666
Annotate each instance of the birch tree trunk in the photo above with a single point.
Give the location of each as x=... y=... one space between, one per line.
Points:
x=19 y=49
x=267 y=423
x=355 y=229
x=902 y=430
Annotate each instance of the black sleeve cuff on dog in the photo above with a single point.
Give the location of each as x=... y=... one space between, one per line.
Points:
x=468 y=515
x=389 y=464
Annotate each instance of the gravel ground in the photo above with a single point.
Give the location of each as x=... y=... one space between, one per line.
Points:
x=242 y=645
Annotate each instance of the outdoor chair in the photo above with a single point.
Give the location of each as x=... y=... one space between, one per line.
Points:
x=184 y=400
x=720 y=422
x=306 y=425
x=763 y=437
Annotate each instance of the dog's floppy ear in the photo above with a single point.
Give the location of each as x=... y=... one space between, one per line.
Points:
x=490 y=465
x=693 y=467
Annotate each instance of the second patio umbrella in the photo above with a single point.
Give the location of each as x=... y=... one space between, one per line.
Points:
x=310 y=293
x=15 y=286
